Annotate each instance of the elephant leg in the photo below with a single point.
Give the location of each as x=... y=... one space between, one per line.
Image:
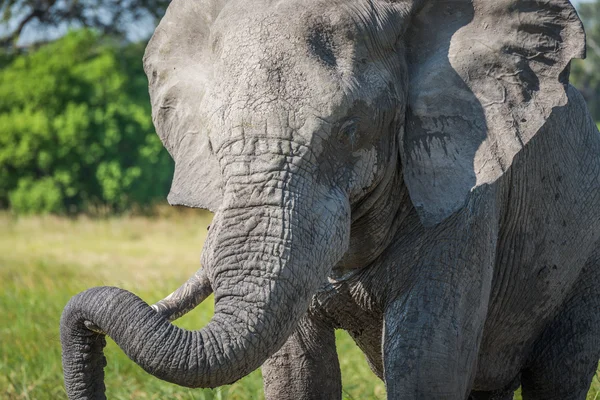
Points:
x=433 y=330
x=306 y=367
x=565 y=358
x=500 y=395
x=428 y=356
x=431 y=339
x=506 y=393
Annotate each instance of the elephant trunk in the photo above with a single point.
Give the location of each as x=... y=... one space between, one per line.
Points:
x=265 y=257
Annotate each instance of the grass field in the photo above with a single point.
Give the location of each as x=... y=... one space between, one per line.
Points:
x=46 y=260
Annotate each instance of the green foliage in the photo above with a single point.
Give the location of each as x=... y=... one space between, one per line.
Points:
x=76 y=131
x=585 y=75
x=32 y=196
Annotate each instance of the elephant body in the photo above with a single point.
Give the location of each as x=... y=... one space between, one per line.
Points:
x=540 y=325
x=418 y=173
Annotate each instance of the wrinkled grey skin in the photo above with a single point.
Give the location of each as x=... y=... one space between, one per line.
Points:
x=418 y=173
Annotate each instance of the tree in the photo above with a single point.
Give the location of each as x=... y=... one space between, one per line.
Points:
x=75 y=129
x=586 y=74
x=113 y=17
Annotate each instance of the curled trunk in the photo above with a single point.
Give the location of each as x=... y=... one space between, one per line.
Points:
x=264 y=261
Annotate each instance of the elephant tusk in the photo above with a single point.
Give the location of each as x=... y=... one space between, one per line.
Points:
x=185 y=298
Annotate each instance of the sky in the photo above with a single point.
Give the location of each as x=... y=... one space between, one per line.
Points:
x=140 y=30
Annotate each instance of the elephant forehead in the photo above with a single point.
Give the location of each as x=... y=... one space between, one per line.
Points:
x=266 y=55
x=290 y=17
x=248 y=27
x=286 y=66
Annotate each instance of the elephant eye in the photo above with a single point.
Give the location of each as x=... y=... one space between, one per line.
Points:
x=349 y=130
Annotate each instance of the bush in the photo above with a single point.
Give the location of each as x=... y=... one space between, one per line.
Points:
x=76 y=129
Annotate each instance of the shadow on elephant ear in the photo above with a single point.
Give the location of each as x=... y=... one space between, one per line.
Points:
x=484 y=77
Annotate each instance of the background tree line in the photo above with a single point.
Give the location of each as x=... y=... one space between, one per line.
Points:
x=75 y=125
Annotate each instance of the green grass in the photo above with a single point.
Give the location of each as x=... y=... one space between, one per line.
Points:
x=46 y=260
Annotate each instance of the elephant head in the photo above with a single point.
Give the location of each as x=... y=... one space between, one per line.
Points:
x=287 y=119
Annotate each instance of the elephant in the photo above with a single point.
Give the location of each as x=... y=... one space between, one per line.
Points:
x=418 y=173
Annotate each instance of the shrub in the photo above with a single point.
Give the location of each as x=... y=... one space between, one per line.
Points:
x=76 y=129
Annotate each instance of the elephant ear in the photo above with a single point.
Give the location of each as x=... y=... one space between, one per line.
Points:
x=177 y=63
x=484 y=76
